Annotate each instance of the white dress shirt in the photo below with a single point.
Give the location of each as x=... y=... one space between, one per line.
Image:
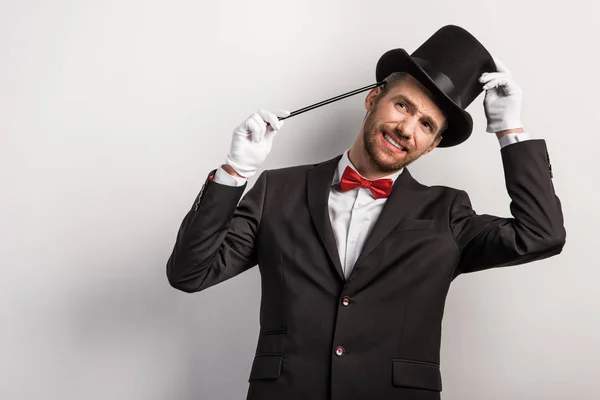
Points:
x=353 y=213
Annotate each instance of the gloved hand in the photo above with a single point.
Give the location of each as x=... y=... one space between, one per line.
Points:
x=252 y=141
x=503 y=99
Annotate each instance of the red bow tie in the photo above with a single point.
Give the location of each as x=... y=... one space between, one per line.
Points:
x=379 y=187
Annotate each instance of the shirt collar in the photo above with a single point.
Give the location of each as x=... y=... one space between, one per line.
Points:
x=345 y=162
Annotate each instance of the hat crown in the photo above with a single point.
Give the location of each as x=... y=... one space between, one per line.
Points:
x=458 y=55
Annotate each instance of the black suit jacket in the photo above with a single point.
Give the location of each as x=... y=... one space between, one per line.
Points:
x=390 y=323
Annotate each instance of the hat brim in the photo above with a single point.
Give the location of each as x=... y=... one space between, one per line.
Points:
x=460 y=122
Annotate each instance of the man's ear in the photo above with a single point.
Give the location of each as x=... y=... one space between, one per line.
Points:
x=370 y=99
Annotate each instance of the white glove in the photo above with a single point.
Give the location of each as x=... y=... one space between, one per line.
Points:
x=252 y=141
x=503 y=99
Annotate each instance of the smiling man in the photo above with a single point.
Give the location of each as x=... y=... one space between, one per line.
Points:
x=402 y=124
x=356 y=257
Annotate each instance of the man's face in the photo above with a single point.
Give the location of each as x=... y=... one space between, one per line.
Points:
x=407 y=115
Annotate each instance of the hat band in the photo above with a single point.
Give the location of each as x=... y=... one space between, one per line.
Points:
x=441 y=80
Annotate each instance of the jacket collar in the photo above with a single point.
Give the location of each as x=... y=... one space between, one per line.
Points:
x=406 y=195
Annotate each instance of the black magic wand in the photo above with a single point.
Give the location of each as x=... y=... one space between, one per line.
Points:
x=342 y=96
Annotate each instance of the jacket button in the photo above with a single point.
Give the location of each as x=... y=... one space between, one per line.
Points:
x=339 y=351
x=346 y=301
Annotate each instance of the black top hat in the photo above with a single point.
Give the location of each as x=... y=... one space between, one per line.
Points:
x=449 y=65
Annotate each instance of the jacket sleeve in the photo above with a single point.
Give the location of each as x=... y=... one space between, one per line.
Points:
x=536 y=230
x=216 y=240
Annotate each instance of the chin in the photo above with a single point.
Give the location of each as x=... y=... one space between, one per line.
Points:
x=384 y=160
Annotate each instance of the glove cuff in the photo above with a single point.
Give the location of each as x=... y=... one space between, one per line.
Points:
x=242 y=170
x=497 y=126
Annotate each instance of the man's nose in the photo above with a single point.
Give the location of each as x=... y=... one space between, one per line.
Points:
x=406 y=127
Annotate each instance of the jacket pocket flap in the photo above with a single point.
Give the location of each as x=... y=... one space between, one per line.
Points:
x=417 y=374
x=266 y=367
x=408 y=223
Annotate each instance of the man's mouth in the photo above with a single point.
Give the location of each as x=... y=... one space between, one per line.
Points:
x=392 y=143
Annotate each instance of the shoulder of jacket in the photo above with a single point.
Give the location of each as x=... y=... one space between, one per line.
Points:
x=443 y=190
x=283 y=172
x=294 y=169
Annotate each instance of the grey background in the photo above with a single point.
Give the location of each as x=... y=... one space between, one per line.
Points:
x=113 y=112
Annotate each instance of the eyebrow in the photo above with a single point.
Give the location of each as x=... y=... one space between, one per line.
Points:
x=412 y=105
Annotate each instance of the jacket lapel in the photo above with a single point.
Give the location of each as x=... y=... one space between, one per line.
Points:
x=406 y=195
x=318 y=184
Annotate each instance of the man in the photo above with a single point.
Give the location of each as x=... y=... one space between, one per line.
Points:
x=356 y=257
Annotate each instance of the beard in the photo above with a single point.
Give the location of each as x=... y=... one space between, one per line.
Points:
x=384 y=159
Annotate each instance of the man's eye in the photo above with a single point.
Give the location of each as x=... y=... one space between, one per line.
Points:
x=429 y=126
x=402 y=104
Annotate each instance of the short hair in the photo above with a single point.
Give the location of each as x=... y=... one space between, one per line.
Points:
x=392 y=80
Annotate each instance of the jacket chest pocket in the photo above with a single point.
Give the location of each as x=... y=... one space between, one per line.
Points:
x=409 y=233
x=407 y=224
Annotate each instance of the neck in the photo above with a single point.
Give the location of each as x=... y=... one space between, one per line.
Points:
x=362 y=162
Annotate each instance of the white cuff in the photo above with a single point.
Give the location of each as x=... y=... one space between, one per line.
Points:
x=222 y=177
x=513 y=138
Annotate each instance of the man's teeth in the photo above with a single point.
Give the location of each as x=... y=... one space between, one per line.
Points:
x=389 y=139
